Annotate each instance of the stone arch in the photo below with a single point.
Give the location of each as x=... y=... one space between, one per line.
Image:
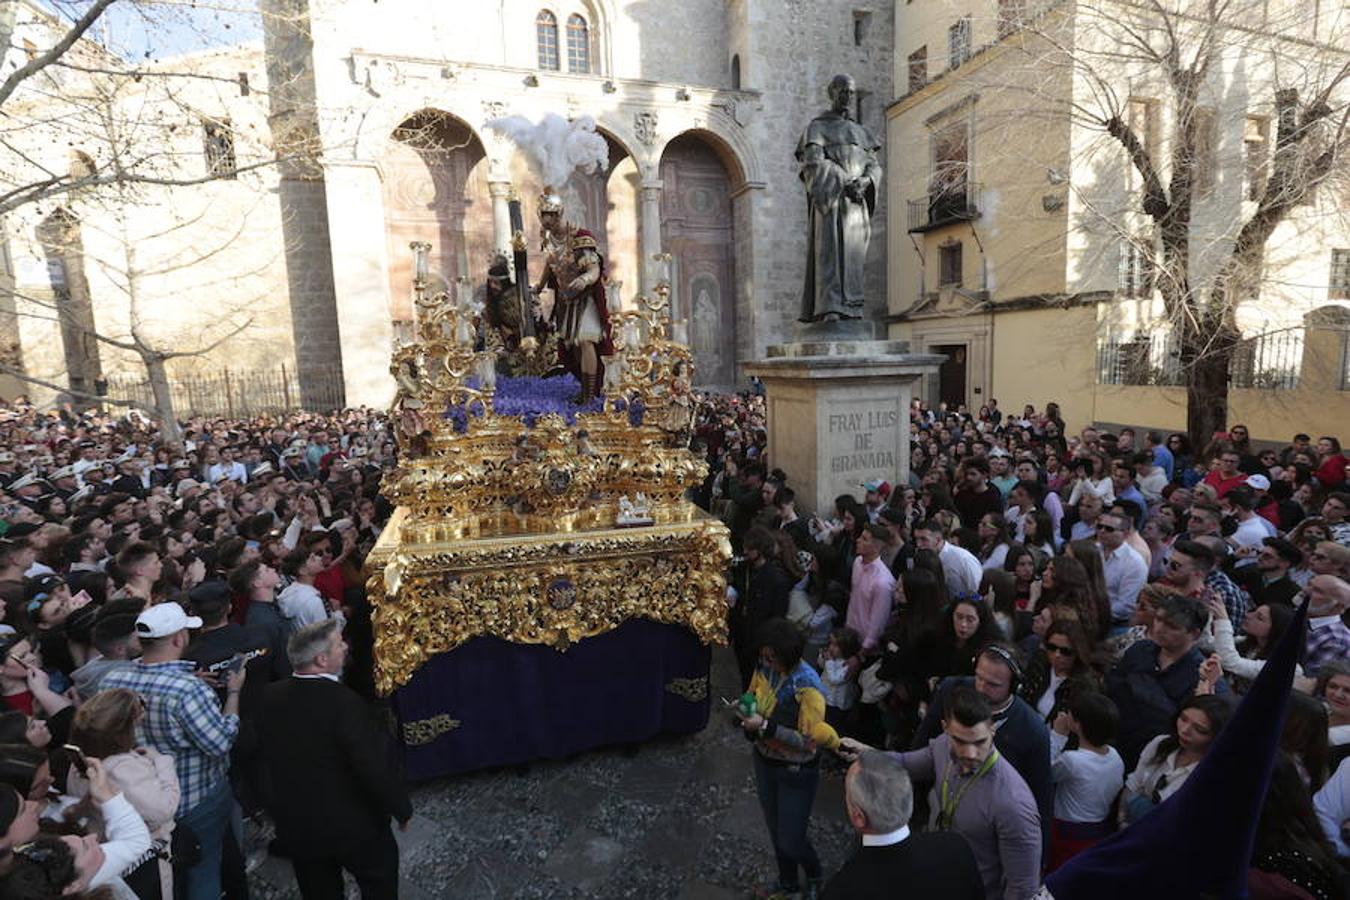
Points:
x=730 y=145
x=699 y=231
x=435 y=190
x=382 y=118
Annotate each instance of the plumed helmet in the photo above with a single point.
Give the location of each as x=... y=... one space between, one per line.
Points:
x=550 y=203
x=584 y=240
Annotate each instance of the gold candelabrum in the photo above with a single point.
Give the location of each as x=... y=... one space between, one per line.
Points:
x=496 y=512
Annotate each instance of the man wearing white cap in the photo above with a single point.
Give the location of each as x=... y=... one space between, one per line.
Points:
x=8 y=464
x=184 y=720
x=26 y=489
x=64 y=482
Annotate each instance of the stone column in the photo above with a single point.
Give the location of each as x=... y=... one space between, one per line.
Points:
x=500 y=192
x=651 y=234
x=361 y=280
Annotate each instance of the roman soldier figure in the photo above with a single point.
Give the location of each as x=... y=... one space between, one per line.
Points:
x=575 y=270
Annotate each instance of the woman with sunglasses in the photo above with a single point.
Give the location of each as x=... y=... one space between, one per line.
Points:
x=1169 y=759
x=1060 y=667
x=73 y=864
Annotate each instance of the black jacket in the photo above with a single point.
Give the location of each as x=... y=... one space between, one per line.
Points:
x=770 y=588
x=332 y=787
x=937 y=865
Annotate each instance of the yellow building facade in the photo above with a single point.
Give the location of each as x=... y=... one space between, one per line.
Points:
x=1018 y=246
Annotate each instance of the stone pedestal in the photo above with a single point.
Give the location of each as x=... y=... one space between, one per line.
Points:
x=838 y=414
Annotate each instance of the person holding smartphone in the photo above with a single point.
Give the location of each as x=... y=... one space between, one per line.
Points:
x=105 y=728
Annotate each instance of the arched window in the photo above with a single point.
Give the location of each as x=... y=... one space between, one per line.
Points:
x=578 y=45
x=736 y=72
x=546 y=33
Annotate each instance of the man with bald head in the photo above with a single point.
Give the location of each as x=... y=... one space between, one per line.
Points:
x=1328 y=638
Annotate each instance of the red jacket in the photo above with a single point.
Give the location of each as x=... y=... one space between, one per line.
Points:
x=1223 y=485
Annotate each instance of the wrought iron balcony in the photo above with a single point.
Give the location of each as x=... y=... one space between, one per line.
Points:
x=945 y=205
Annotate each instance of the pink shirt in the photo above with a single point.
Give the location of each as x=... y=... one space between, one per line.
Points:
x=869 y=602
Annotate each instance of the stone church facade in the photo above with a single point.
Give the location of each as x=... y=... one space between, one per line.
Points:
x=701 y=103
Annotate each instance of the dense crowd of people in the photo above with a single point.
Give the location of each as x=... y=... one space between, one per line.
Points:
x=1048 y=628
x=177 y=622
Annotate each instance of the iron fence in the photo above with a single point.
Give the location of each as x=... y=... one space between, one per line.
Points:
x=1271 y=361
x=1146 y=359
x=238 y=393
x=1268 y=361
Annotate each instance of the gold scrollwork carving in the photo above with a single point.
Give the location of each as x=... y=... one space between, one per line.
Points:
x=695 y=690
x=424 y=731
x=537 y=589
x=508 y=527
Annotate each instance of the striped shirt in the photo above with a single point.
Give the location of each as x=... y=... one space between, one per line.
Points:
x=182 y=719
x=1328 y=641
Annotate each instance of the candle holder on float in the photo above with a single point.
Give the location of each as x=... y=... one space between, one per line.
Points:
x=506 y=489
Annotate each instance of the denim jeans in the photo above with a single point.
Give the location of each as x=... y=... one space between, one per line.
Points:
x=786 y=794
x=209 y=820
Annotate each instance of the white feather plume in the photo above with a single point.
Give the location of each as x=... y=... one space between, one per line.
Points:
x=558 y=147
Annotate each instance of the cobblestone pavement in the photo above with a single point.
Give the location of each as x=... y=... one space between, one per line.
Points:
x=678 y=819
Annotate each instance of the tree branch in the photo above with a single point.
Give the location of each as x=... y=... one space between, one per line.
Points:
x=65 y=389
x=56 y=51
x=1155 y=200
x=202 y=351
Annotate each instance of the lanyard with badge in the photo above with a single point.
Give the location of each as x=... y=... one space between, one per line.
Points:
x=949 y=803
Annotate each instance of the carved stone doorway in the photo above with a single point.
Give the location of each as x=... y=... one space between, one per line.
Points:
x=697 y=230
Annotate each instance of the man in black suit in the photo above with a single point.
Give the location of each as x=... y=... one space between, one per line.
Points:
x=333 y=791
x=892 y=862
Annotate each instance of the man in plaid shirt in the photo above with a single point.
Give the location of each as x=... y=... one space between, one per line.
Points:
x=184 y=719
x=1328 y=638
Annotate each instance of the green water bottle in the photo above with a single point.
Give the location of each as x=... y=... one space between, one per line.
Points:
x=748 y=705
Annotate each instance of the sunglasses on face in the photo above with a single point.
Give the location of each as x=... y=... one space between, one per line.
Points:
x=1059 y=649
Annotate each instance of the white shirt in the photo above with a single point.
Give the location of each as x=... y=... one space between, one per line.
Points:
x=997 y=557
x=302 y=605
x=234 y=471
x=1251 y=533
x=1148 y=774
x=1047 y=701
x=961 y=568
x=1126 y=573
x=888 y=839
x=1152 y=484
x=128 y=839
x=1086 y=783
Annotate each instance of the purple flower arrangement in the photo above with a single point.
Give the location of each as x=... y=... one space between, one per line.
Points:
x=528 y=398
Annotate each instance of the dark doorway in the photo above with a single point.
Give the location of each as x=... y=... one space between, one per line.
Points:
x=697 y=230
x=952 y=375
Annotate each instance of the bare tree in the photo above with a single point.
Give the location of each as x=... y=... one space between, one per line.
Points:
x=1158 y=94
x=144 y=141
